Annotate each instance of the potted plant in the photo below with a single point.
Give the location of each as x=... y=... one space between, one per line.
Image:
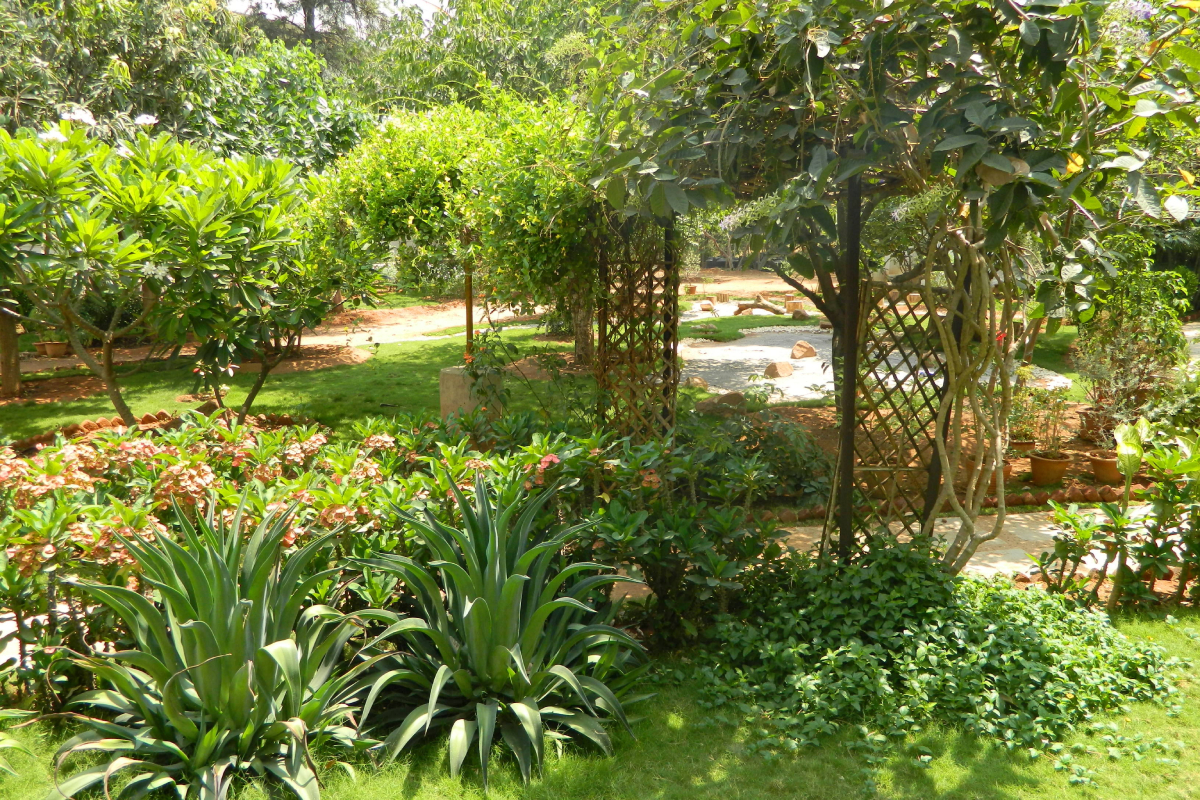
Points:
x=1048 y=464
x=1104 y=461
x=1022 y=418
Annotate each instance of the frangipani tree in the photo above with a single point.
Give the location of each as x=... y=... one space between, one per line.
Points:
x=77 y=245
x=170 y=239
x=1019 y=115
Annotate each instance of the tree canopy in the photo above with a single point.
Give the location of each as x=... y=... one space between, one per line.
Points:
x=1029 y=110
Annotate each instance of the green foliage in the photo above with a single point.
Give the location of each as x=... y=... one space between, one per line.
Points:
x=498 y=191
x=159 y=235
x=189 y=68
x=272 y=101
x=116 y=59
x=1137 y=548
x=504 y=640
x=231 y=671
x=893 y=643
x=1132 y=347
x=706 y=101
x=533 y=219
x=466 y=51
x=393 y=201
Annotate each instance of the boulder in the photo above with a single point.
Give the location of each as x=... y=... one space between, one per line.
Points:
x=163 y=416
x=87 y=426
x=696 y=382
x=726 y=404
x=826 y=325
x=149 y=419
x=800 y=313
x=803 y=349
x=778 y=369
x=788 y=517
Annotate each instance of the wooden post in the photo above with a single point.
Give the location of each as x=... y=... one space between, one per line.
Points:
x=470 y=313
x=10 y=356
x=849 y=286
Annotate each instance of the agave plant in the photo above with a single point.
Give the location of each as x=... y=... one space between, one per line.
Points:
x=504 y=640
x=231 y=673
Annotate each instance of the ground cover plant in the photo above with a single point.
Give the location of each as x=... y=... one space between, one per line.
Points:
x=1022 y=666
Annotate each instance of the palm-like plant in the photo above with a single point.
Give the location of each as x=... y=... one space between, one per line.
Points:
x=231 y=672
x=505 y=641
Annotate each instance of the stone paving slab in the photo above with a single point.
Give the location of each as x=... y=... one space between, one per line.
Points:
x=1024 y=535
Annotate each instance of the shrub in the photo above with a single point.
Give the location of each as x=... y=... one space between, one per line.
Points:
x=893 y=642
x=503 y=639
x=229 y=671
x=1130 y=350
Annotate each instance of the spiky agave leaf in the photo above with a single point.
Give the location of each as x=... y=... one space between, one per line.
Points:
x=508 y=644
x=233 y=671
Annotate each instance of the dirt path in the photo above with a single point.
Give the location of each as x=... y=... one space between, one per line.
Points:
x=739 y=283
x=364 y=326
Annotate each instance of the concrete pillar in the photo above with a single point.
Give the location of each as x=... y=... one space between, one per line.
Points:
x=456 y=395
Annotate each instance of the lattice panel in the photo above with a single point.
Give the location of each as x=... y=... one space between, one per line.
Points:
x=900 y=386
x=637 y=366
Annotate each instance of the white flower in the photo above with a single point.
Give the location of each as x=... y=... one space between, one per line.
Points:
x=145 y=119
x=80 y=114
x=155 y=271
x=52 y=135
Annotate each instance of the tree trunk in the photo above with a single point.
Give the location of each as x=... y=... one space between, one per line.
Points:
x=109 y=376
x=104 y=369
x=1031 y=341
x=310 y=20
x=581 y=328
x=267 y=365
x=10 y=357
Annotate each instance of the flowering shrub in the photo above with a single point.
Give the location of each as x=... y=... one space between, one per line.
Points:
x=67 y=510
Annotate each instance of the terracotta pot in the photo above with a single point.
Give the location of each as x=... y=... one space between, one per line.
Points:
x=57 y=349
x=689 y=289
x=40 y=347
x=1023 y=447
x=1091 y=424
x=1008 y=472
x=1104 y=467
x=1047 y=470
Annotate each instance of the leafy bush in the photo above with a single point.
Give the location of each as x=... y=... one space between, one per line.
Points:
x=69 y=508
x=1138 y=549
x=230 y=670
x=504 y=639
x=893 y=642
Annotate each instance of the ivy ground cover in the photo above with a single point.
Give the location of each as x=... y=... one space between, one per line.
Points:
x=679 y=754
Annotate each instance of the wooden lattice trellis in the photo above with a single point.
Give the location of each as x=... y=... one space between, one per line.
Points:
x=932 y=358
x=637 y=364
x=901 y=378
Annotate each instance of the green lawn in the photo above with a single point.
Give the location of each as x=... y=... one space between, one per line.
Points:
x=677 y=756
x=404 y=375
x=728 y=329
x=1050 y=353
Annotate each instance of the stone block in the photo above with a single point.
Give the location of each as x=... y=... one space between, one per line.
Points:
x=457 y=395
x=779 y=369
x=803 y=349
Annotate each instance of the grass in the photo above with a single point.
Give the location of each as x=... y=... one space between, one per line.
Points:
x=677 y=756
x=404 y=375
x=729 y=329
x=1051 y=353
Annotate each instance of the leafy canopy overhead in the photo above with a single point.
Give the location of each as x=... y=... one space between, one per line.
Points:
x=1032 y=110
